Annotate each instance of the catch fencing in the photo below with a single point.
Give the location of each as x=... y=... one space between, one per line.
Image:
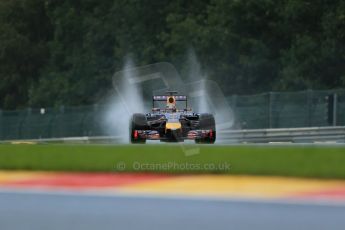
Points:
x=289 y=109
x=263 y=111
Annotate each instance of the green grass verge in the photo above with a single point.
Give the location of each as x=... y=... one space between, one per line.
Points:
x=307 y=161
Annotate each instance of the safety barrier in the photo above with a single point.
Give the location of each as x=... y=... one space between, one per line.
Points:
x=73 y=140
x=293 y=135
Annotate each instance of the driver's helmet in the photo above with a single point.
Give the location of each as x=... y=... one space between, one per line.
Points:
x=171 y=103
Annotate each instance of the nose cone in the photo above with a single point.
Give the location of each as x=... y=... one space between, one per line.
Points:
x=173 y=125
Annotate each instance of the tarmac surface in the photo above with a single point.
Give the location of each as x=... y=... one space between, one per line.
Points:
x=55 y=200
x=30 y=210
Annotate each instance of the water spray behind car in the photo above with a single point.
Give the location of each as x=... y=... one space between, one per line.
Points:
x=137 y=86
x=207 y=95
x=127 y=101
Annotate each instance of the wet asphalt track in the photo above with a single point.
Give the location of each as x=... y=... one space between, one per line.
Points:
x=49 y=211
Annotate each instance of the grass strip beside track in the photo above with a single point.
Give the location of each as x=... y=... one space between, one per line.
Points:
x=300 y=161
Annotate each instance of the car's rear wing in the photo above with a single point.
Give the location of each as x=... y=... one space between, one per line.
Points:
x=165 y=98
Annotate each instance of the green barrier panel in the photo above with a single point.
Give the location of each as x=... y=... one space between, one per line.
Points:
x=37 y=123
x=341 y=107
x=68 y=122
x=290 y=110
x=252 y=112
x=12 y=124
x=93 y=123
x=1 y=126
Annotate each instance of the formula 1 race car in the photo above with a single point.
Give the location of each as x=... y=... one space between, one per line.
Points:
x=170 y=124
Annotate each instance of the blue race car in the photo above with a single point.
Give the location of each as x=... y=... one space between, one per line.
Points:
x=172 y=124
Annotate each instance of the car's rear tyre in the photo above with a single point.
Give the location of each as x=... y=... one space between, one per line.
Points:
x=207 y=123
x=138 y=123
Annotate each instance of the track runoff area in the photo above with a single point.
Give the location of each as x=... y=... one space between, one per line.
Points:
x=185 y=187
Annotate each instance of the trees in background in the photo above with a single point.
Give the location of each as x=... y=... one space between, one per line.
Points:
x=25 y=30
x=65 y=52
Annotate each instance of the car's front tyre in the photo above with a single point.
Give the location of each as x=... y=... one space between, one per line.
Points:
x=207 y=123
x=138 y=123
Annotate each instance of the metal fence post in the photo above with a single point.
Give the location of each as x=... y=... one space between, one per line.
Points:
x=234 y=103
x=335 y=102
x=61 y=127
x=51 y=122
x=1 y=126
x=270 y=109
x=310 y=105
x=28 y=114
